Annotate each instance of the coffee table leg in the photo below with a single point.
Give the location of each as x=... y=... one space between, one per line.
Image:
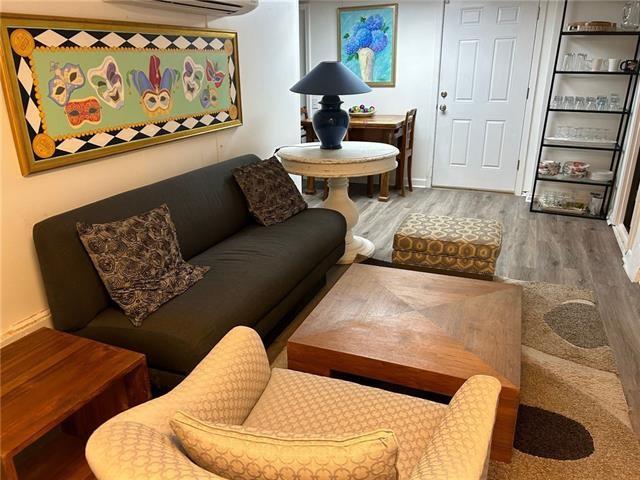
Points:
x=8 y=469
x=339 y=201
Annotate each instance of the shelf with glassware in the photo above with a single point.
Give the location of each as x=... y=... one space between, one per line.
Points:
x=580 y=151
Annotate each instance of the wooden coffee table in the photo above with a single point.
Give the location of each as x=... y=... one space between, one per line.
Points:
x=419 y=330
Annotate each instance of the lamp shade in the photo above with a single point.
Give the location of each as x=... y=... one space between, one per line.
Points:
x=330 y=78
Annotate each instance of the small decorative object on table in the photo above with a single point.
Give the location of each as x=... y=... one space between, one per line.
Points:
x=362 y=111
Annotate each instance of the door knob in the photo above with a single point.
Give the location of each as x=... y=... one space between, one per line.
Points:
x=443 y=108
x=444 y=94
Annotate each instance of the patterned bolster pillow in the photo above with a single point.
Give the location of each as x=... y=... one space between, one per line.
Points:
x=242 y=453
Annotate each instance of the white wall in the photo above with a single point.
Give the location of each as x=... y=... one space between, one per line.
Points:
x=419 y=29
x=268 y=50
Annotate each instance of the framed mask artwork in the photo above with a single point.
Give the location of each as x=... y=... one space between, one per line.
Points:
x=82 y=89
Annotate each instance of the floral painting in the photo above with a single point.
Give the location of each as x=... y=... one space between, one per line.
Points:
x=87 y=89
x=367 y=42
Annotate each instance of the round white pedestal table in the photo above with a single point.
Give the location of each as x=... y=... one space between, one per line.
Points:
x=354 y=159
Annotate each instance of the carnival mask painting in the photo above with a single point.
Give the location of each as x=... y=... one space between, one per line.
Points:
x=209 y=94
x=65 y=80
x=155 y=90
x=107 y=82
x=214 y=75
x=83 y=111
x=192 y=77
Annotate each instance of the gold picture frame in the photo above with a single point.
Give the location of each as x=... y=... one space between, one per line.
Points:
x=385 y=57
x=81 y=89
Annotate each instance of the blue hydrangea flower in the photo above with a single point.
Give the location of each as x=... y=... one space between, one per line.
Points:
x=379 y=41
x=351 y=46
x=363 y=38
x=357 y=27
x=375 y=22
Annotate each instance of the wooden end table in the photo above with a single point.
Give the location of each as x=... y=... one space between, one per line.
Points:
x=354 y=159
x=51 y=379
x=419 y=330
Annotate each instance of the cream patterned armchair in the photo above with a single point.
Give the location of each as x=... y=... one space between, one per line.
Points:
x=235 y=385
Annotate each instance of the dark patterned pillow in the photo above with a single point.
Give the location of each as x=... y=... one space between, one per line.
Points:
x=271 y=194
x=139 y=261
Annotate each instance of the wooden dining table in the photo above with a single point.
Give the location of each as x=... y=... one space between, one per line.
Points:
x=377 y=128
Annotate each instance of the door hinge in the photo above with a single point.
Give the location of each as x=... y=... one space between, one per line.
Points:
x=538 y=17
x=518 y=166
x=527 y=97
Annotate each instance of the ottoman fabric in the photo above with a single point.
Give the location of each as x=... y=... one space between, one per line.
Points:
x=468 y=245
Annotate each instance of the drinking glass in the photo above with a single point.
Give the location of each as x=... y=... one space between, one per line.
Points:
x=602 y=103
x=580 y=103
x=580 y=133
x=569 y=102
x=571 y=132
x=580 y=62
x=562 y=131
x=591 y=103
x=607 y=134
x=589 y=133
x=614 y=102
x=631 y=16
x=568 y=62
x=557 y=101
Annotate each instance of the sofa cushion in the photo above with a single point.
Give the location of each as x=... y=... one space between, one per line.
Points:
x=139 y=261
x=251 y=272
x=239 y=453
x=271 y=194
x=300 y=403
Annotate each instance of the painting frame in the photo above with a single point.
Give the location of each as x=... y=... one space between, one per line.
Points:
x=394 y=38
x=17 y=98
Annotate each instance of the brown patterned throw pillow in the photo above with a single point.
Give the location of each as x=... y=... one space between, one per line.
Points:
x=139 y=261
x=271 y=194
x=235 y=452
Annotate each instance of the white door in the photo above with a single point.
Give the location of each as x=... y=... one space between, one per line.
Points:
x=486 y=59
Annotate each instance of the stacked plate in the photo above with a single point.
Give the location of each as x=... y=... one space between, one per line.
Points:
x=602 y=175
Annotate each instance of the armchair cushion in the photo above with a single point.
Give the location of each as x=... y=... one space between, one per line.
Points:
x=299 y=403
x=240 y=453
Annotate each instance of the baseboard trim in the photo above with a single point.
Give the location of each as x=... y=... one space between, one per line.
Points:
x=25 y=326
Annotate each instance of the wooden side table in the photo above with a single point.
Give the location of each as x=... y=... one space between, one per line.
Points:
x=56 y=389
x=354 y=159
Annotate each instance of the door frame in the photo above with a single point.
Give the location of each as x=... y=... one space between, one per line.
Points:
x=628 y=241
x=536 y=66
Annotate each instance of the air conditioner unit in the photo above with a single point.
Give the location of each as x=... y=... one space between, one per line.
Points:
x=212 y=8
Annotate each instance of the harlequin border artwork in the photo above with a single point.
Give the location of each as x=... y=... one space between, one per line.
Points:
x=83 y=89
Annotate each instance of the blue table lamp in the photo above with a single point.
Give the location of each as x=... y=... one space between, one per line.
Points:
x=330 y=79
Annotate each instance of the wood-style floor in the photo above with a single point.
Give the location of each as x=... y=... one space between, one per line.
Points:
x=536 y=247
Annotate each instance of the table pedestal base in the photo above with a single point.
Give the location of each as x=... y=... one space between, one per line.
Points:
x=339 y=201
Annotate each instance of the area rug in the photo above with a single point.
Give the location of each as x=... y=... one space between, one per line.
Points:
x=573 y=421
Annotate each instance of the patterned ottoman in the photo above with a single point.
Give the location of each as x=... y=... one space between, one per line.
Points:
x=466 y=245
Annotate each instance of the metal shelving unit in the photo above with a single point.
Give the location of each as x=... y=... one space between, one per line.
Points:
x=616 y=150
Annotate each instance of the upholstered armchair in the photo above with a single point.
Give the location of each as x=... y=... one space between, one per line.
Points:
x=235 y=385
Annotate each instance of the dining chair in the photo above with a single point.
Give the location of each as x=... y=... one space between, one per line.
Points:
x=407 y=149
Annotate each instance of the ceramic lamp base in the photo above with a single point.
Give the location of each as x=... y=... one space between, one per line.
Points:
x=330 y=123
